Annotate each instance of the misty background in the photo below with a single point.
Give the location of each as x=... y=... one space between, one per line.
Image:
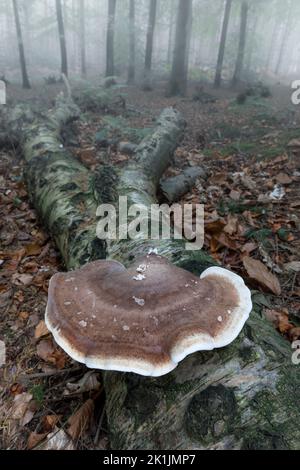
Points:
x=271 y=50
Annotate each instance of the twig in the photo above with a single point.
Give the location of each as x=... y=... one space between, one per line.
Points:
x=50 y=374
x=100 y=425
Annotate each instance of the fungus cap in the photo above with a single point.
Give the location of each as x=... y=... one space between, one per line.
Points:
x=147 y=318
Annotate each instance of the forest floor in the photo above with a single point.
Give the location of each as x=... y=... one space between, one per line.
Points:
x=251 y=152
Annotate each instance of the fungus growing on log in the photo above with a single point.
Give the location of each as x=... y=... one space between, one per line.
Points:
x=112 y=318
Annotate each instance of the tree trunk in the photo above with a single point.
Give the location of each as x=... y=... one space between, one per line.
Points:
x=62 y=38
x=25 y=79
x=285 y=37
x=242 y=44
x=150 y=39
x=131 y=68
x=82 y=38
x=178 y=80
x=218 y=77
x=252 y=43
x=243 y=396
x=110 y=39
x=171 y=33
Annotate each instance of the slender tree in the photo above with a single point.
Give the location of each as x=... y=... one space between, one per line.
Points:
x=242 y=45
x=218 y=77
x=25 y=79
x=82 y=38
x=171 y=32
x=285 y=37
x=150 y=39
x=110 y=38
x=178 y=80
x=62 y=38
x=131 y=68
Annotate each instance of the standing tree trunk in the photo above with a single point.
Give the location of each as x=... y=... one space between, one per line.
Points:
x=25 y=79
x=62 y=38
x=110 y=38
x=131 y=68
x=82 y=38
x=178 y=80
x=149 y=44
x=285 y=37
x=218 y=77
x=242 y=44
x=171 y=33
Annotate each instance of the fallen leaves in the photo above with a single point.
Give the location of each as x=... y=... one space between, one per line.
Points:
x=41 y=330
x=35 y=439
x=51 y=354
x=22 y=279
x=88 y=383
x=80 y=421
x=258 y=272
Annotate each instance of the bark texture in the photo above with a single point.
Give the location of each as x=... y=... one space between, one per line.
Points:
x=131 y=67
x=242 y=45
x=149 y=42
x=218 y=77
x=62 y=38
x=178 y=81
x=110 y=60
x=244 y=396
x=172 y=189
x=25 y=79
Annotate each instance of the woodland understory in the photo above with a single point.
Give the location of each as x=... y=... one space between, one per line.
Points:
x=249 y=153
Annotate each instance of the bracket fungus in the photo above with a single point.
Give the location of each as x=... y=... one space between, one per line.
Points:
x=108 y=317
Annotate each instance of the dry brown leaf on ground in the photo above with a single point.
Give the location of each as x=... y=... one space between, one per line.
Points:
x=50 y=421
x=22 y=279
x=232 y=225
x=279 y=319
x=34 y=439
x=258 y=272
x=80 y=421
x=41 y=330
x=20 y=405
x=45 y=350
x=33 y=249
x=88 y=383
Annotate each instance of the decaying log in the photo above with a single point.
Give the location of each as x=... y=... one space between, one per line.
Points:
x=173 y=189
x=242 y=396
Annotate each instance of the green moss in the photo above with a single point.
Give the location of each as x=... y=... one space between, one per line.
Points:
x=212 y=413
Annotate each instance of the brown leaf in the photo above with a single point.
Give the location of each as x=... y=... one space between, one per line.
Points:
x=235 y=195
x=33 y=249
x=80 y=421
x=279 y=319
x=258 y=272
x=249 y=247
x=34 y=439
x=283 y=178
x=88 y=383
x=22 y=279
x=232 y=225
x=41 y=330
x=20 y=405
x=45 y=350
x=50 y=421
x=294 y=334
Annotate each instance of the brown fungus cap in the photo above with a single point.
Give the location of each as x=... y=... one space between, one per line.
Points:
x=145 y=319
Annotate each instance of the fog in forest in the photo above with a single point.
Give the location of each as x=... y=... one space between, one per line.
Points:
x=102 y=37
